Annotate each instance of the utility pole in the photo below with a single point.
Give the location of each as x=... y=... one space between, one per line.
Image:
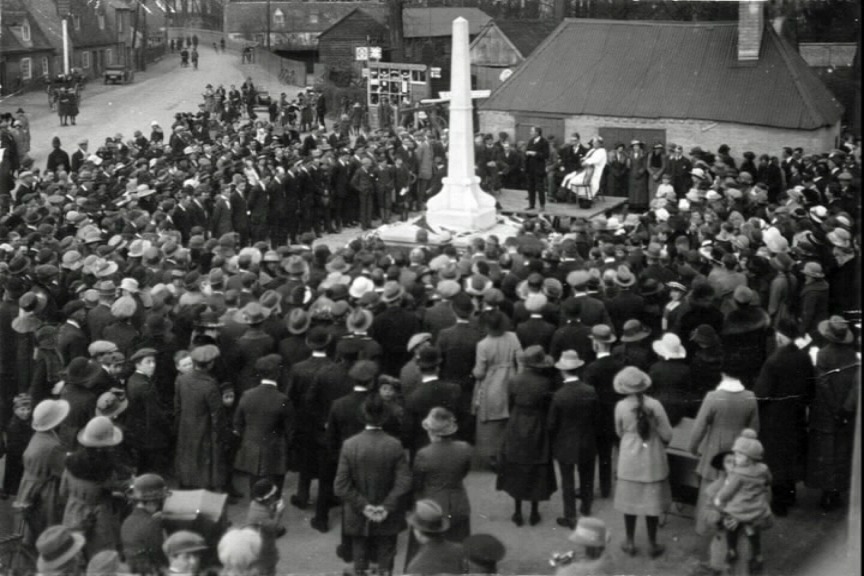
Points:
x=267 y=41
x=397 y=33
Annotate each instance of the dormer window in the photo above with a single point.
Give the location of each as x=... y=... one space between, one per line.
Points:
x=278 y=17
x=100 y=18
x=25 y=31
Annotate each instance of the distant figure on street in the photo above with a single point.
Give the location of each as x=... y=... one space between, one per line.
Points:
x=195 y=58
x=222 y=44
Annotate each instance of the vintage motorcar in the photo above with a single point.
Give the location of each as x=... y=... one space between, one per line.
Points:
x=118 y=74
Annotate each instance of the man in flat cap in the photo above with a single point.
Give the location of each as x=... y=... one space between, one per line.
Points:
x=198 y=412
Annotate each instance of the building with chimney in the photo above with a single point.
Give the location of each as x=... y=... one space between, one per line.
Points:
x=695 y=84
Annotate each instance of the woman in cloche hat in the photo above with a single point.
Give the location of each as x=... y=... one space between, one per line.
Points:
x=643 y=471
x=40 y=486
x=525 y=467
x=91 y=475
x=441 y=468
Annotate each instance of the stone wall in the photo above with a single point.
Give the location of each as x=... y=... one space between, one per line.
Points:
x=688 y=133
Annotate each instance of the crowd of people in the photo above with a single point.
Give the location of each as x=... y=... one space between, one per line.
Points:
x=168 y=318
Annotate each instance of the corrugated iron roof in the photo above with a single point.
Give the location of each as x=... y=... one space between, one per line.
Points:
x=438 y=21
x=526 y=35
x=667 y=70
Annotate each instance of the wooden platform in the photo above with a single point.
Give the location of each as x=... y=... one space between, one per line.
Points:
x=515 y=201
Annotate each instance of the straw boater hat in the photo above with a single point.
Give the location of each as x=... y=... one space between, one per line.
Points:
x=57 y=545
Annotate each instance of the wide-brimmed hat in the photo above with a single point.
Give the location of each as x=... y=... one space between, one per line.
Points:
x=440 y=422
x=105 y=268
x=100 y=432
x=669 y=347
x=337 y=264
x=634 y=331
x=624 y=277
x=57 y=545
x=631 y=380
x=253 y=313
x=535 y=357
x=836 y=329
x=48 y=414
x=590 y=532
x=569 y=360
x=392 y=292
x=603 y=333
x=81 y=371
x=149 y=488
x=813 y=270
x=840 y=238
x=298 y=321
x=360 y=286
x=429 y=517
x=110 y=404
x=359 y=320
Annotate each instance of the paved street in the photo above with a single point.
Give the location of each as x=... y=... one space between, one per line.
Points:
x=791 y=547
x=157 y=94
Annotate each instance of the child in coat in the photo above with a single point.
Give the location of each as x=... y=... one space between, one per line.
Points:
x=17 y=436
x=265 y=515
x=746 y=497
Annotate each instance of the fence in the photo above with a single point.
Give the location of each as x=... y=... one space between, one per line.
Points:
x=276 y=66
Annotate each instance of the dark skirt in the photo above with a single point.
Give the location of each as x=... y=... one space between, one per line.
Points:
x=535 y=482
x=829 y=460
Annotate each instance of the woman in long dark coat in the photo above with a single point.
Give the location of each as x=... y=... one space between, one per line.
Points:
x=198 y=412
x=745 y=335
x=784 y=389
x=525 y=463
x=832 y=415
x=439 y=472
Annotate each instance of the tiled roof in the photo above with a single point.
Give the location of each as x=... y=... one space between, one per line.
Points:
x=667 y=70
x=434 y=22
x=14 y=12
x=526 y=35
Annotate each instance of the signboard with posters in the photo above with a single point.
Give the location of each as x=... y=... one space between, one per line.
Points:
x=394 y=84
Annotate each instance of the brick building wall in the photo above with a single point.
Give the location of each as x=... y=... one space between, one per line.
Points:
x=688 y=133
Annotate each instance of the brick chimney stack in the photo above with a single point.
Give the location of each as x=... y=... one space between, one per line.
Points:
x=751 y=25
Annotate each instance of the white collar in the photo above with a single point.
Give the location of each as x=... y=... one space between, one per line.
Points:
x=368 y=427
x=73 y=323
x=360 y=389
x=730 y=385
x=429 y=378
x=571 y=379
x=269 y=382
x=319 y=354
x=602 y=355
x=462 y=321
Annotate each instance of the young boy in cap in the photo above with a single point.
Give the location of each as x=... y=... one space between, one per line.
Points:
x=184 y=550
x=482 y=553
x=17 y=436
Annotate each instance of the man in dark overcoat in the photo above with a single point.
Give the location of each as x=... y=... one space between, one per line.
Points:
x=784 y=389
x=147 y=421
x=600 y=374
x=393 y=327
x=536 y=153
x=431 y=393
x=458 y=346
x=198 y=413
x=372 y=478
x=264 y=422
x=300 y=380
x=572 y=422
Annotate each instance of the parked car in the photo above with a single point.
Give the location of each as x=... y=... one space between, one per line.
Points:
x=118 y=74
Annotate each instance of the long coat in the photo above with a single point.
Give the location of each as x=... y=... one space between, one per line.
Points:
x=642 y=460
x=784 y=389
x=39 y=491
x=496 y=364
x=198 y=412
x=458 y=345
x=254 y=344
x=392 y=329
x=439 y=472
x=147 y=421
x=672 y=388
x=574 y=416
x=263 y=420
x=301 y=379
x=372 y=470
x=638 y=180
x=722 y=417
x=423 y=399
x=832 y=418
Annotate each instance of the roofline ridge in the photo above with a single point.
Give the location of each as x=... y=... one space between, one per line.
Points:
x=653 y=23
x=534 y=54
